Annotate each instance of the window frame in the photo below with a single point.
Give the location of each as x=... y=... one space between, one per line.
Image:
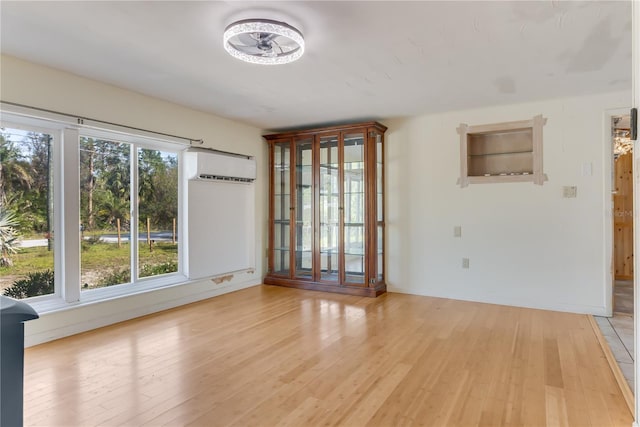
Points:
x=58 y=239
x=66 y=188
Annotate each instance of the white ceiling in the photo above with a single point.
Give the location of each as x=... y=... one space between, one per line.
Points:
x=363 y=60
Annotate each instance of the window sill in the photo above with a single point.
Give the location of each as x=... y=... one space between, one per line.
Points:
x=89 y=297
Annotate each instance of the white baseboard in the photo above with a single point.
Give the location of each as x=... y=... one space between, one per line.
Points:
x=56 y=325
x=513 y=302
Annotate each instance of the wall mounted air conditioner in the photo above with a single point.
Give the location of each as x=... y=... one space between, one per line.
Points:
x=220 y=215
x=210 y=165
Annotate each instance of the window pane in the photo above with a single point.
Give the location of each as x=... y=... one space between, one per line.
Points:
x=105 y=258
x=26 y=213
x=158 y=212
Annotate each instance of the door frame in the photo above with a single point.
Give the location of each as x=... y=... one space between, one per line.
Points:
x=635 y=78
x=609 y=219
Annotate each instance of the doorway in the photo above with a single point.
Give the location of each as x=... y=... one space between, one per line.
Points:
x=619 y=329
x=622 y=216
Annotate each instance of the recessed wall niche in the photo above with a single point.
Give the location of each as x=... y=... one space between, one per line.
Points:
x=502 y=152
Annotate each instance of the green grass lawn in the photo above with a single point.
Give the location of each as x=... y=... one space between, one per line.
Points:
x=98 y=256
x=97 y=259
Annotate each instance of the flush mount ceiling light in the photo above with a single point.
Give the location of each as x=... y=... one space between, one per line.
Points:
x=262 y=41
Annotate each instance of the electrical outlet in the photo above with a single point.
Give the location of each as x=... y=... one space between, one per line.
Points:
x=457 y=231
x=465 y=262
x=569 y=192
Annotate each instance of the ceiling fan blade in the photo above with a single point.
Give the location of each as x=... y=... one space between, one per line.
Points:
x=268 y=37
x=246 y=39
x=250 y=50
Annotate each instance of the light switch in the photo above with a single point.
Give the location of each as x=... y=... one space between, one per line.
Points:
x=587 y=169
x=457 y=231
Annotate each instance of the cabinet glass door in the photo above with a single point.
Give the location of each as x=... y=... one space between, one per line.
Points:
x=354 y=207
x=304 y=208
x=329 y=203
x=281 y=207
x=379 y=206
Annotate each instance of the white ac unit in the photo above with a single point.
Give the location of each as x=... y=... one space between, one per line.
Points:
x=209 y=165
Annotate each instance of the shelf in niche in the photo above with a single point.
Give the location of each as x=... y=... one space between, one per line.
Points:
x=506 y=153
x=505 y=174
x=502 y=152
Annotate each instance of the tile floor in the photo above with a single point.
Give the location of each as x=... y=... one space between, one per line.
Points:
x=623 y=297
x=618 y=331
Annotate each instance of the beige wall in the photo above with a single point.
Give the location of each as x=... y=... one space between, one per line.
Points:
x=527 y=245
x=30 y=84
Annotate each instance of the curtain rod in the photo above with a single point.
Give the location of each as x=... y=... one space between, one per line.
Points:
x=81 y=119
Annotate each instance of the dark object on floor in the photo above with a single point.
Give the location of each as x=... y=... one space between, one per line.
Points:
x=13 y=314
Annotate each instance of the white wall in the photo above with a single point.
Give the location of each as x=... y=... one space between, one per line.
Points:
x=34 y=85
x=527 y=245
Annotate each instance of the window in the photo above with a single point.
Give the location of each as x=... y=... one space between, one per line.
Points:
x=26 y=213
x=110 y=252
x=105 y=193
x=118 y=209
x=157 y=212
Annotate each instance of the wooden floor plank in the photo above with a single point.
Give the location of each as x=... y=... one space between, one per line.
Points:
x=268 y=356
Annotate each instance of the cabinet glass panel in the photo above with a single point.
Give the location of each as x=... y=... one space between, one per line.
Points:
x=354 y=207
x=304 y=208
x=379 y=207
x=329 y=213
x=379 y=177
x=380 y=261
x=281 y=253
x=281 y=201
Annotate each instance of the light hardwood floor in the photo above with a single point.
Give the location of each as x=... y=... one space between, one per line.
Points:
x=278 y=356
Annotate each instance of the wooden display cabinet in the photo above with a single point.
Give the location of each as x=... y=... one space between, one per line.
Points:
x=502 y=152
x=326 y=210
